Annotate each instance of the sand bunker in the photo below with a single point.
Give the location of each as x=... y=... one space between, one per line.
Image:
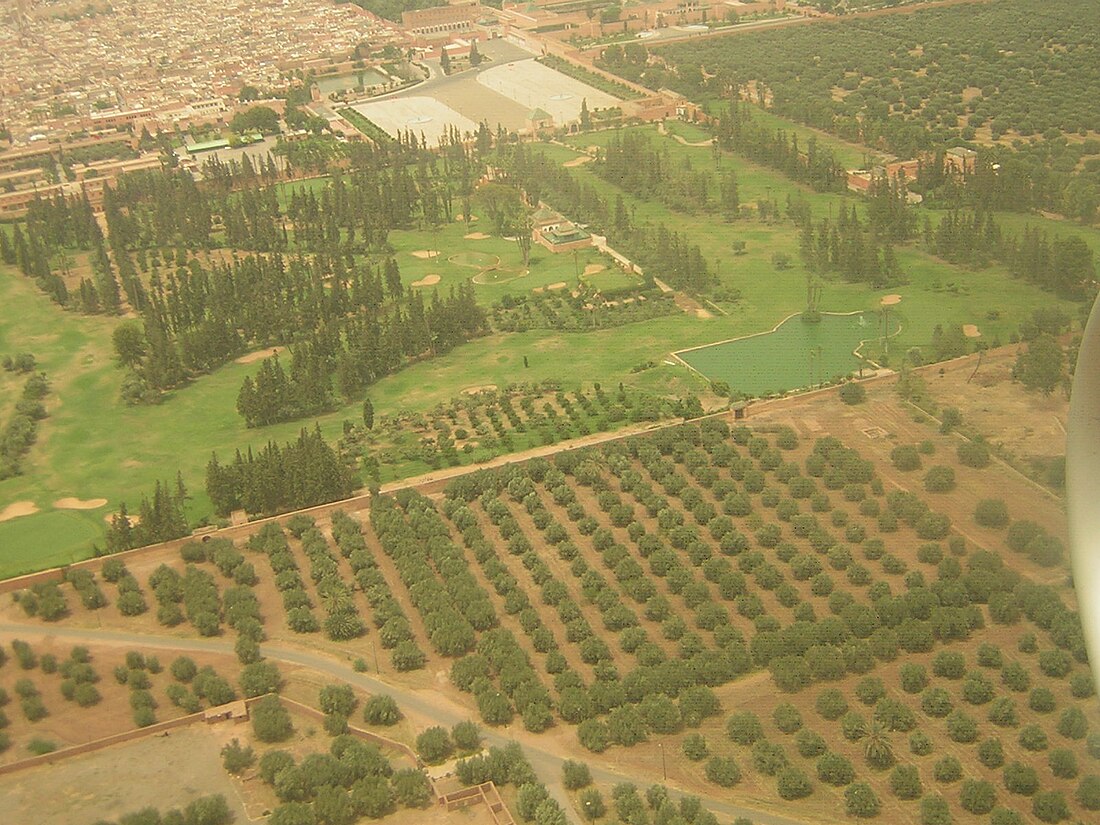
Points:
x=592 y=269
x=890 y=300
x=583 y=159
x=971 y=331
x=427 y=280
x=476 y=236
x=558 y=285
x=537 y=290
x=480 y=388
x=459 y=218
x=134 y=519
x=259 y=355
x=425 y=253
x=79 y=504
x=17 y=509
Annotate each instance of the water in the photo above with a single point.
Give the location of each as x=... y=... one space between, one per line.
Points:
x=794 y=355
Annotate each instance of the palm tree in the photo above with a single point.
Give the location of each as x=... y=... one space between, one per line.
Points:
x=877 y=747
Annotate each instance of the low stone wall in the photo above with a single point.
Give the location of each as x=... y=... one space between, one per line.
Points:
x=99 y=744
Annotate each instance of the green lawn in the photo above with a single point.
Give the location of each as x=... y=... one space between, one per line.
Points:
x=48 y=539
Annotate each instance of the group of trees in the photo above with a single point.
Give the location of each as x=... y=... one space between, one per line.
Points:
x=352 y=780
x=856 y=251
x=911 y=83
x=21 y=430
x=737 y=131
x=206 y=810
x=631 y=161
x=1063 y=265
x=661 y=251
x=161 y=518
x=299 y=474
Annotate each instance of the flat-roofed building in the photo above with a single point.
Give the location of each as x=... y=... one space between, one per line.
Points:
x=460 y=16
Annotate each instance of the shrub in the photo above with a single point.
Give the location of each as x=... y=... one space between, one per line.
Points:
x=809 y=744
x=787 y=718
x=1063 y=763
x=1088 y=792
x=1072 y=724
x=905 y=782
x=936 y=701
x=991 y=753
x=381 y=710
x=1050 y=806
x=834 y=769
x=1033 y=738
x=793 y=783
x=961 y=728
x=914 y=678
x=974 y=454
x=939 y=479
x=934 y=810
x=575 y=775
x=1041 y=700
x=695 y=747
x=722 y=771
x=905 y=457
x=991 y=512
x=851 y=393
x=236 y=758
x=39 y=746
x=919 y=743
x=947 y=769
x=270 y=720
x=831 y=704
x=978 y=796
x=744 y=728
x=860 y=801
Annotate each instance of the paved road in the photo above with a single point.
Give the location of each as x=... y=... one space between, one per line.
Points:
x=546 y=764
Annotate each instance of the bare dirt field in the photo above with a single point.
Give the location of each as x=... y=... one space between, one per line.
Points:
x=1028 y=425
x=161 y=771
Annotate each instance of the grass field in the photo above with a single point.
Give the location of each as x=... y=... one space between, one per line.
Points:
x=936 y=293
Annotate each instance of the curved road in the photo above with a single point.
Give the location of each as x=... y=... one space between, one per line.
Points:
x=545 y=763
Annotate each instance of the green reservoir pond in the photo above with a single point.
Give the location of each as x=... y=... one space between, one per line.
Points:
x=795 y=354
